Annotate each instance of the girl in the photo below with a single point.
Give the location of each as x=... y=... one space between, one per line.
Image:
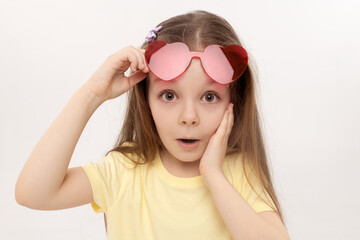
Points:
x=189 y=162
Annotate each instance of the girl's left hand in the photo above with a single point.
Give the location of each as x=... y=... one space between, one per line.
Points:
x=211 y=161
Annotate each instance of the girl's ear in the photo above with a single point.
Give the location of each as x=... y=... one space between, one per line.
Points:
x=238 y=59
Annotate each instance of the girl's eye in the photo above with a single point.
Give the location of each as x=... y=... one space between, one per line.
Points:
x=209 y=97
x=169 y=96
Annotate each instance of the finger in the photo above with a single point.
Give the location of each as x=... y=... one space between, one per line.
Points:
x=145 y=69
x=136 y=78
x=142 y=58
x=223 y=125
x=139 y=60
x=122 y=59
x=231 y=121
x=130 y=54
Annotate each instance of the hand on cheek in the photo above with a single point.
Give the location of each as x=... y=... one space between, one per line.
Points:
x=211 y=161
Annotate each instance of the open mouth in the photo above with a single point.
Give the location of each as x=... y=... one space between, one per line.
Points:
x=188 y=144
x=188 y=140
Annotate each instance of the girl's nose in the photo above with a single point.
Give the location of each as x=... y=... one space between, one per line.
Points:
x=189 y=115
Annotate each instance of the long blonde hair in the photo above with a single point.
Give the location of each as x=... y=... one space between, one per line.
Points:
x=199 y=29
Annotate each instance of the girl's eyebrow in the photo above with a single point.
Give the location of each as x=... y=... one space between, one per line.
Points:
x=212 y=84
x=218 y=87
x=161 y=82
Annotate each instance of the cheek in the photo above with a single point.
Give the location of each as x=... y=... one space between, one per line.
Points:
x=162 y=119
x=213 y=122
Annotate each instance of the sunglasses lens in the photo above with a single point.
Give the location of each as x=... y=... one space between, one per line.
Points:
x=216 y=65
x=169 y=61
x=238 y=58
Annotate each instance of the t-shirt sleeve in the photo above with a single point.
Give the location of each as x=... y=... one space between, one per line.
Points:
x=242 y=185
x=255 y=201
x=107 y=177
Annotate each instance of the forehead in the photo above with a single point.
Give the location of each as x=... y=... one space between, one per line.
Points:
x=202 y=83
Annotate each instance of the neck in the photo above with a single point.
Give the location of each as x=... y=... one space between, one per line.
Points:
x=179 y=168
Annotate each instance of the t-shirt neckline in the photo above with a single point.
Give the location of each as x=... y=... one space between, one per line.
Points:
x=174 y=180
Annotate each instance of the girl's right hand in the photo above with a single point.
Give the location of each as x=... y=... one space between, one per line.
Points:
x=109 y=81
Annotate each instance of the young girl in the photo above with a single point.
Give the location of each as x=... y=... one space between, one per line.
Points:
x=189 y=162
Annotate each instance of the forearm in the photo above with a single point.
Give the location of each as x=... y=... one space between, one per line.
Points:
x=240 y=218
x=46 y=167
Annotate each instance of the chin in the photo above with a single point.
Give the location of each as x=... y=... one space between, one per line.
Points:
x=187 y=156
x=188 y=160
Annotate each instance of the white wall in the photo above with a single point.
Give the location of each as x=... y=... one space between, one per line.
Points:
x=307 y=53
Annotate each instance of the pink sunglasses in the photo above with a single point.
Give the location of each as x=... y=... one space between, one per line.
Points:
x=169 y=60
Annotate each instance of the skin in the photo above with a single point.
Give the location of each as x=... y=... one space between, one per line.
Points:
x=189 y=108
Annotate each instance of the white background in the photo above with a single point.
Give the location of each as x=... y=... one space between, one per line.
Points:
x=308 y=58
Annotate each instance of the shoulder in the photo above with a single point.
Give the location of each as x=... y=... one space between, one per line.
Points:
x=238 y=161
x=118 y=158
x=233 y=167
x=234 y=162
x=128 y=160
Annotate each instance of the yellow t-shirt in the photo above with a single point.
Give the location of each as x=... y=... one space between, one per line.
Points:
x=148 y=202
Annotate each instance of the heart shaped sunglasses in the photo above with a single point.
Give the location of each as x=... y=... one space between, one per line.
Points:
x=169 y=60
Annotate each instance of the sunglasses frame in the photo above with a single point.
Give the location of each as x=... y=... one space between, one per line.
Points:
x=236 y=56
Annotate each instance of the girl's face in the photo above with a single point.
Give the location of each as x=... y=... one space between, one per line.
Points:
x=191 y=105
